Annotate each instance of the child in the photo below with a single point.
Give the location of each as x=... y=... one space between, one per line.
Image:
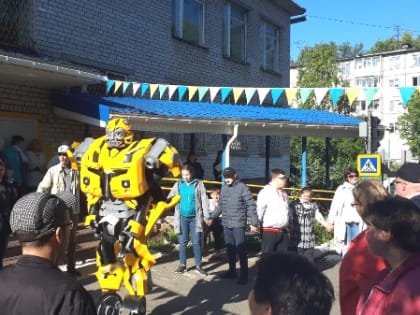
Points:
x=216 y=226
x=303 y=212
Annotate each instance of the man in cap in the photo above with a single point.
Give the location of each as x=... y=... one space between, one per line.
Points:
x=42 y=222
x=61 y=177
x=236 y=205
x=407 y=182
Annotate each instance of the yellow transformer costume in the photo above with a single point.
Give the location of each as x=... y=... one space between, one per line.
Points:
x=120 y=179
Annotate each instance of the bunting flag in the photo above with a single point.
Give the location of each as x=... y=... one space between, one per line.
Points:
x=320 y=94
x=290 y=95
x=352 y=93
x=249 y=94
x=109 y=85
x=162 y=90
x=262 y=93
x=369 y=94
x=406 y=93
x=171 y=90
x=224 y=93
x=136 y=87
x=304 y=94
x=181 y=92
x=213 y=93
x=153 y=89
x=276 y=94
x=202 y=91
x=237 y=92
x=335 y=94
x=191 y=91
x=144 y=88
x=117 y=85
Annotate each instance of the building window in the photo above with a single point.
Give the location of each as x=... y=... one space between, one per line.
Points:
x=394 y=82
x=375 y=61
x=416 y=81
x=188 y=20
x=235 y=28
x=417 y=60
x=271 y=46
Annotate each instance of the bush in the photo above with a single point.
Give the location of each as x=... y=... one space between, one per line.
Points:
x=321 y=235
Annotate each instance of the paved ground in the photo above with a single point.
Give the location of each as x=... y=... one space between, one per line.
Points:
x=192 y=294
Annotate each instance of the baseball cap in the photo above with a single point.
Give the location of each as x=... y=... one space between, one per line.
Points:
x=36 y=215
x=229 y=172
x=409 y=172
x=63 y=148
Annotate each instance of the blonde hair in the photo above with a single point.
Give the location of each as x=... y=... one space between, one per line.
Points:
x=367 y=192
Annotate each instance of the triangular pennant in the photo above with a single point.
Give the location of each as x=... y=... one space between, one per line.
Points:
x=320 y=94
x=162 y=90
x=181 y=91
x=304 y=94
x=109 y=85
x=224 y=93
x=406 y=93
x=125 y=86
x=144 y=88
x=136 y=87
x=117 y=86
x=171 y=90
x=249 y=93
x=262 y=93
x=213 y=92
x=352 y=93
x=369 y=94
x=335 y=94
x=290 y=94
x=237 y=92
x=202 y=90
x=153 y=88
x=191 y=91
x=276 y=93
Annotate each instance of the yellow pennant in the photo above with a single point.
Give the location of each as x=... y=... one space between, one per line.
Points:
x=153 y=88
x=117 y=85
x=290 y=94
x=191 y=91
x=237 y=92
x=352 y=93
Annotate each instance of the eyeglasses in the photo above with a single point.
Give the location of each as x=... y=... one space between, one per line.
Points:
x=352 y=176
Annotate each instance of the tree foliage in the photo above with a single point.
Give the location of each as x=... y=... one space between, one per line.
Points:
x=409 y=125
x=395 y=43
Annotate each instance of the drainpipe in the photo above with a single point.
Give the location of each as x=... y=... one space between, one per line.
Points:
x=227 y=149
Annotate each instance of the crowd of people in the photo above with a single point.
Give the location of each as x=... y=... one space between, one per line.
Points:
x=376 y=233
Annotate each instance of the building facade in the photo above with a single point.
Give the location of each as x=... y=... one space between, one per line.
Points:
x=77 y=45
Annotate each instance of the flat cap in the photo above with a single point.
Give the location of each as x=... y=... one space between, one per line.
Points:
x=229 y=172
x=409 y=172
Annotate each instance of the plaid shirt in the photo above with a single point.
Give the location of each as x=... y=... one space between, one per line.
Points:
x=303 y=215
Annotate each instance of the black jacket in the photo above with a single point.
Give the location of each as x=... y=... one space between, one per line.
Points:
x=35 y=286
x=236 y=206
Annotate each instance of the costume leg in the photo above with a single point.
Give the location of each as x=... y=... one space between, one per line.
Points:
x=239 y=235
x=195 y=239
x=106 y=246
x=183 y=240
x=230 y=248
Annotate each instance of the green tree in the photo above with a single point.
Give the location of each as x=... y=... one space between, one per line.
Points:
x=345 y=50
x=409 y=125
x=395 y=43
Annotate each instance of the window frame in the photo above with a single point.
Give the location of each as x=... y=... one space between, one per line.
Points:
x=178 y=19
x=277 y=55
x=227 y=31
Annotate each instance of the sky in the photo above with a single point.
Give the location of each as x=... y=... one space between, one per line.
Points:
x=353 y=21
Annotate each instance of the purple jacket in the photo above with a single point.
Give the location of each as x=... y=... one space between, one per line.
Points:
x=396 y=292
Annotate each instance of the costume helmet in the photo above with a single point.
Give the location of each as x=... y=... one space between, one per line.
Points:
x=118 y=133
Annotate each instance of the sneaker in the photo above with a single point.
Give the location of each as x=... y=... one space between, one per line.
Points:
x=181 y=269
x=200 y=271
x=228 y=275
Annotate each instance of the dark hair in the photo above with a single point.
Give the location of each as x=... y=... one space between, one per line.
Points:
x=189 y=168
x=401 y=217
x=306 y=189
x=292 y=285
x=17 y=139
x=350 y=170
x=277 y=171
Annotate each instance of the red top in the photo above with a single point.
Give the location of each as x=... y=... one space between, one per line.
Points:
x=397 y=292
x=358 y=271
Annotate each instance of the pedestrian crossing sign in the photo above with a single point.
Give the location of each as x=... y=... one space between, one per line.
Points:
x=369 y=164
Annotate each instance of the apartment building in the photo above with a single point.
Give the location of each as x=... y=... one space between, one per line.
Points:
x=387 y=71
x=74 y=45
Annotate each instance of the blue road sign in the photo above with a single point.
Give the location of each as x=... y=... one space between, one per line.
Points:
x=369 y=164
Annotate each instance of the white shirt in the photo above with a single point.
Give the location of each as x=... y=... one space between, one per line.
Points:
x=273 y=207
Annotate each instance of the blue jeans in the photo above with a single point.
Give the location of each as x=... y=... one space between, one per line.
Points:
x=188 y=226
x=352 y=230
